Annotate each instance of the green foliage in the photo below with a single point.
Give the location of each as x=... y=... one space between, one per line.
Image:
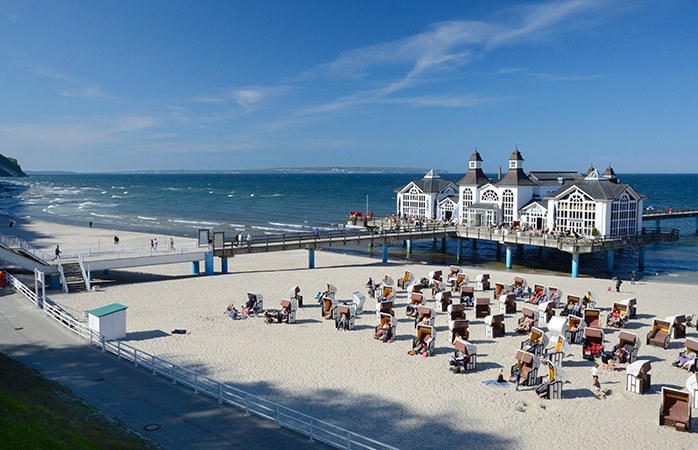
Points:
x=37 y=413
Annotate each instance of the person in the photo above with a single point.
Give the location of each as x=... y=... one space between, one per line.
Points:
x=240 y=239
x=152 y=245
x=116 y=240
x=316 y=233
x=617 y=319
x=58 y=252
x=526 y=326
x=90 y=224
x=249 y=239
x=172 y=244
x=383 y=333
x=500 y=377
x=371 y=285
x=595 y=381
x=632 y=277
x=618 y=283
x=155 y=244
x=12 y=223
x=517 y=378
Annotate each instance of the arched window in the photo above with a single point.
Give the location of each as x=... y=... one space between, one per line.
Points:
x=623 y=216
x=508 y=206
x=490 y=196
x=467 y=197
x=576 y=213
x=414 y=203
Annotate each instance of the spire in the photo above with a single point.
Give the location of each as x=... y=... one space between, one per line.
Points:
x=475 y=175
x=610 y=175
x=431 y=174
x=590 y=169
x=594 y=175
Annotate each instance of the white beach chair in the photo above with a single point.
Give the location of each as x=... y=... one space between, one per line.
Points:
x=387 y=280
x=557 y=377
x=528 y=363
x=545 y=313
x=295 y=293
x=494 y=326
x=345 y=316
x=291 y=306
x=507 y=303
x=458 y=328
x=678 y=326
x=574 y=333
x=384 y=318
x=631 y=343
x=560 y=350
x=638 y=377
x=536 y=343
x=482 y=282
x=258 y=304
x=359 y=299
x=470 y=350
x=692 y=386
x=423 y=333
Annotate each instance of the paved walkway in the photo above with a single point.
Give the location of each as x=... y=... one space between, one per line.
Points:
x=185 y=420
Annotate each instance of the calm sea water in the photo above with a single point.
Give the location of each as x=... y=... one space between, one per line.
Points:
x=288 y=203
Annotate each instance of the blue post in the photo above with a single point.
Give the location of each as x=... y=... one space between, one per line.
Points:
x=385 y=253
x=459 y=250
x=641 y=262
x=695 y=227
x=90 y=277
x=474 y=244
x=575 y=265
x=443 y=244
x=195 y=267
x=311 y=258
x=409 y=245
x=508 y=257
x=609 y=261
x=208 y=263
x=656 y=225
x=224 y=265
x=54 y=282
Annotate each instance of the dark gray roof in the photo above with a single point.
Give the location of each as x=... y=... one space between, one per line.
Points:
x=476 y=177
x=532 y=202
x=596 y=189
x=453 y=198
x=483 y=206
x=432 y=185
x=516 y=156
x=515 y=177
x=550 y=178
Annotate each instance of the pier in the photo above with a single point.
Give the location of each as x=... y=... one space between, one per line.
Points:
x=658 y=215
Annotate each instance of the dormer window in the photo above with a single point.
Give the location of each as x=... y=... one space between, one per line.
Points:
x=512 y=164
x=473 y=165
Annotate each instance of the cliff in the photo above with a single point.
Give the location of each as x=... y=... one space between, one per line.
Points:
x=10 y=168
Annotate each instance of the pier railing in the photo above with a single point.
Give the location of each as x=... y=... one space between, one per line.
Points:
x=315 y=429
x=15 y=242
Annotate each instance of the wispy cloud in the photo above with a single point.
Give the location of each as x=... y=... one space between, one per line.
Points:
x=558 y=77
x=88 y=92
x=53 y=74
x=249 y=98
x=509 y=70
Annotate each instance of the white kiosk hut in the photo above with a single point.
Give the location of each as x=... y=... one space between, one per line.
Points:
x=639 y=379
x=109 y=321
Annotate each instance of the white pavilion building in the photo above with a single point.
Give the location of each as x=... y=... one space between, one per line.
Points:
x=562 y=201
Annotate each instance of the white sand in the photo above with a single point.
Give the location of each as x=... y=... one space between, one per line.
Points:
x=373 y=388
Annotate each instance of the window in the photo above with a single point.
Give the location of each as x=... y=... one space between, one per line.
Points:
x=576 y=213
x=414 y=203
x=508 y=206
x=623 y=216
x=490 y=196
x=535 y=217
x=447 y=210
x=467 y=197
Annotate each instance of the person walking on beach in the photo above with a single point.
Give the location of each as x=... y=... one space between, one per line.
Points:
x=517 y=378
x=249 y=240
x=116 y=240
x=316 y=233
x=58 y=252
x=595 y=381
x=152 y=245
x=172 y=244
x=155 y=244
x=632 y=277
x=618 y=283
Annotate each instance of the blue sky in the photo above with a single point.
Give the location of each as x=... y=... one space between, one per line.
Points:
x=134 y=85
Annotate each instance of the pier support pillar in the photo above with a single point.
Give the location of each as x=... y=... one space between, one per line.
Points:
x=311 y=258
x=656 y=225
x=408 y=243
x=385 y=253
x=695 y=227
x=443 y=244
x=609 y=261
x=641 y=261
x=208 y=263
x=54 y=281
x=474 y=244
x=499 y=251
x=195 y=267
x=508 y=263
x=459 y=250
x=90 y=277
x=224 y=265
x=575 y=265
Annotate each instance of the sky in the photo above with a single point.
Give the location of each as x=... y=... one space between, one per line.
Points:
x=224 y=85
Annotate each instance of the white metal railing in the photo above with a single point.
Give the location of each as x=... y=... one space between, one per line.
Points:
x=126 y=251
x=14 y=242
x=85 y=275
x=282 y=416
x=21 y=287
x=61 y=274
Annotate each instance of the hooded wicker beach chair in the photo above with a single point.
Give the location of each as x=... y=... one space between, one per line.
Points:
x=494 y=325
x=406 y=280
x=660 y=336
x=528 y=364
x=482 y=282
x=536 y=342
x=676 y=409
x=575 y=329
x=482 y=307
x=295 y=293
x=442 y=300
x=639 y=379
x=631 y=343
x=458 y=328
x=592 y=318
x=469 y=351
x=592 y=344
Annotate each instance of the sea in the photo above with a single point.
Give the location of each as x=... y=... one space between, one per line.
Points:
x=260 y=204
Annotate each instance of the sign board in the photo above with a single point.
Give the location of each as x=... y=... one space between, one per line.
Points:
x=204 y=236
x=218 y=239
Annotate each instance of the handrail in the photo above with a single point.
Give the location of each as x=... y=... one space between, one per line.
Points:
x=14 y=241
x=62 y=275
x=21 y=287
x=85 y=275
x=282 y=416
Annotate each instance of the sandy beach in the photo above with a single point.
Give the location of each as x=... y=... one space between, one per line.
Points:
x=367 y=386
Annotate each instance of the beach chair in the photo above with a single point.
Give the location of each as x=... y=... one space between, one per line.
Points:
x=494 y=326
x=528 y=364
x=458 y=328
x=384 y=308
x=470 y=351
x=482 y=307
x=427 y=335
x=520 y=282
x=456 y=312
x=688 y=358
x=545 y=313
x=575 y=330
x=459 y=280
x=554 y=294
x=676 y=409
x=592 y=318
x=573 y=302
x=424 y=313
x=294 y=293
x=557 y=326
x=435 y=275
x=345 y=317
x=358 y=299
x=591 y=300
x=692 y=386
x=467 y=292
x=386 y=293
x=482 y=282
x=507 y=303
x=660 y=335
x=592 y=343
x=331 y=291
x=638 y=378
x=416 y=300
x=385 y=318
x=528 y=315
x=552 y=389
x=559 y=350
x=387 y=280
x=453 y=271
x=437 y=286
x=678 y=326
x=289 y=308
x=536 y=342
x=631 y=303
x=328 y=308
x=406 y=280
x=442 y=300
x=618 y=316
x=255 y=302
x=631 y=343
x=498 y=290
x=539 y=289
x=415 y=288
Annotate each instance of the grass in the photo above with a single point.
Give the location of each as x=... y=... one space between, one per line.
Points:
x=37 y=413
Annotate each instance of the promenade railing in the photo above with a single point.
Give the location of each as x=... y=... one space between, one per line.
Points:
x=315 y=429
x=15 y=242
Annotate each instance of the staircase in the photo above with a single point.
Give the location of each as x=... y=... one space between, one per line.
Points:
x=73 y=277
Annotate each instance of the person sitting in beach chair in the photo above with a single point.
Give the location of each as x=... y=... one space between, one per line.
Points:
x=575 y=330
x=499 y=289
x=416 y=300
x=424 y=343
x=272 y=315
x=385 y=331
x=406 y=280
x=592 y=343
x=618 y=316
x=536 y=342
x=288 y=310
x=467 y=295
x=425 y=316
x=528 y=319
x=573 y=306
x=615 y=359
x=254 y=303
x=345 y=317
x=630 y=342
x=464 y=358
x=687 y=358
